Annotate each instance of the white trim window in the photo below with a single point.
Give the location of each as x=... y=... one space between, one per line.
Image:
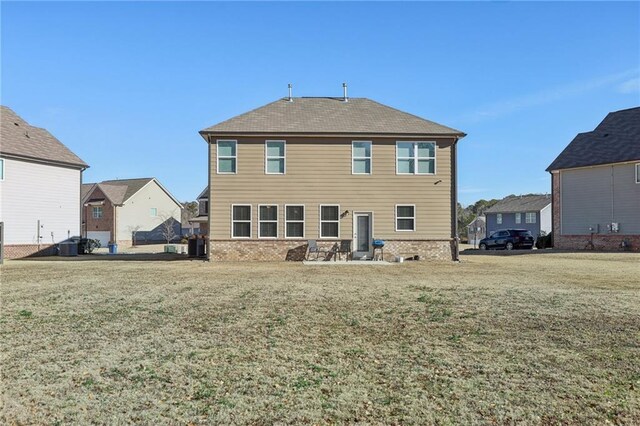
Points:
x=361 y=157
x=1 y=169
x=518 y=217
x=227 y=156
x=294 y=221
x=275 y=157
x=637 y=173
x=241 y=221
x=530 y=217
x=415 y=158
x=97 y=212
x=267 y=221
x=153 y=212
x=499 y=218
x=405 y=217
x=329 y=221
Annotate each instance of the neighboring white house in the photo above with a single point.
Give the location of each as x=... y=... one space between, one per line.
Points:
x=40 y=182
x=118 y=210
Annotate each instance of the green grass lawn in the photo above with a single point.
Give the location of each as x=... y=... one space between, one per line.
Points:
x=530 y=339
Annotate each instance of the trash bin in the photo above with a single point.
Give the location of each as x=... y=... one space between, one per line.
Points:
x=113 y=248
x=68 y=248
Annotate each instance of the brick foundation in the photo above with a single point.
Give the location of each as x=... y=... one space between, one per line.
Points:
x=17 y=251
x=607 y=242
x=295 y=250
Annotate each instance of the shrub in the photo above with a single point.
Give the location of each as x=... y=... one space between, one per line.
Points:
x=545 y=241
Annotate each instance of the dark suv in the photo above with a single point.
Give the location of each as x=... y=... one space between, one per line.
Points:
x=508 y=239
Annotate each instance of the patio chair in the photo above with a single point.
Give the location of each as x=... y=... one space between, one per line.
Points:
x=345 y=247
x=313 y=248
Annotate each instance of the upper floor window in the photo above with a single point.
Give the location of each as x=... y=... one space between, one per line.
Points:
x=329 y=221
x=294 y=221
x=97 y=212
x=1 y=169
x=241 y=221
x=361 y=158
x=275 y=157
x=153 y=212
x=416 y=158
x=405 y=218
x=518 y=217
x=499 y=218
x=530 y=217
x=227 y=156
x=637 y=173
x=268 y=221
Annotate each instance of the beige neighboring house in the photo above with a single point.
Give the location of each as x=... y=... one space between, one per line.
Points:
x=331 y=169
x=116 y=210
x=40 y=182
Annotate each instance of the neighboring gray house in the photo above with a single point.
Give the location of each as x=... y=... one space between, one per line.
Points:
x=596 y=186
x=476 y=230
x=39 y=188
x=530 y=212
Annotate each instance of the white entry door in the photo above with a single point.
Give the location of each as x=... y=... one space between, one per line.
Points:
x=102 y=236
x=362 y=235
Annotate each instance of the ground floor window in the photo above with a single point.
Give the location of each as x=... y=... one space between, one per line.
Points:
x=294 y=221
x=518 y=217
x=499 y=218
x=329 y=221
x=530 y=217
x=268 y=221
x=405 y=218
x=241 y=221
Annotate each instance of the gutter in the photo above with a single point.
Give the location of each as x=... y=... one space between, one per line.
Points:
x=454 y=200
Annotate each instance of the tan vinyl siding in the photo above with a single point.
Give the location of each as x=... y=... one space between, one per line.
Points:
x=318 y=171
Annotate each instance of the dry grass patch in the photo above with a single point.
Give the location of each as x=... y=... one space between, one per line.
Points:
x=520 y=339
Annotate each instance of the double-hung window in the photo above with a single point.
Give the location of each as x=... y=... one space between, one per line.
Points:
x=1 y=169
x=530 y=217
x=405 y=218
x=275 y=157
x=361 y=157
x=499 y=218
x=97 y=212
x=518 y=217
x=417 y=158
x=329 y=221
x=294 y=221
x=227 y=156
x=268 y=221
x=241 y=221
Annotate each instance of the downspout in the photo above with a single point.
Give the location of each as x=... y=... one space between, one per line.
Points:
x=209 y=200
x=454 y=201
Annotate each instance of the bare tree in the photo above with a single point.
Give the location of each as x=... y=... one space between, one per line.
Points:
x=167 y=227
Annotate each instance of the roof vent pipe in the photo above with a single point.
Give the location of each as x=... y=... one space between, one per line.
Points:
x=290 y=88
x=344 y=92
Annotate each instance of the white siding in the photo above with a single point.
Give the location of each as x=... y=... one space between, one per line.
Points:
x=32 y=192
x=545 y=219
x=136 y=211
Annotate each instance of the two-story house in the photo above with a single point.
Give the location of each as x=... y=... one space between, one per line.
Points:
x=531 y=212
x=130 y=211
x=330 y=169
x=596 y=186
x=40 y=182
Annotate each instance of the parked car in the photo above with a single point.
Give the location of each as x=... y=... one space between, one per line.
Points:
x=508 y=239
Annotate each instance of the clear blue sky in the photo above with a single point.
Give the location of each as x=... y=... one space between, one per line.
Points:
x=127 y=86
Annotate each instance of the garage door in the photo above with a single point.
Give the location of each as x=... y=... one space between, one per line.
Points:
x=102 y=236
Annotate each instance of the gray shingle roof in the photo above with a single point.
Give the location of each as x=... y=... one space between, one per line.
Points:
x=520 y=203
x=616 y=139
x=329 y=116
x=120 y=190
x=18 y=138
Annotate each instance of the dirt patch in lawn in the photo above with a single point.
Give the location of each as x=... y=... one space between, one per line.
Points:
x=519 y=339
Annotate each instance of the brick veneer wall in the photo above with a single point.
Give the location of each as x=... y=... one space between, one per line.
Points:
x=17 y=251
x=579 y=242
x=295 y=250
